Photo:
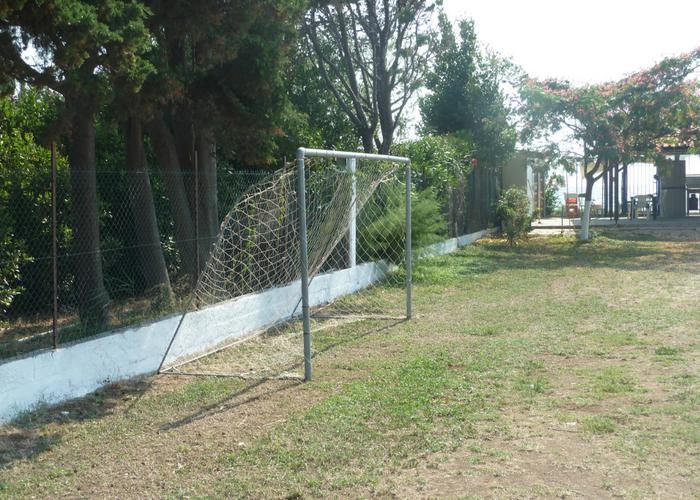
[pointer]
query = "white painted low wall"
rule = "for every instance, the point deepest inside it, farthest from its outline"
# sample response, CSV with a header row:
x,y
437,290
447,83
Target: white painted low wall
x,y
204,329
74,370
453,244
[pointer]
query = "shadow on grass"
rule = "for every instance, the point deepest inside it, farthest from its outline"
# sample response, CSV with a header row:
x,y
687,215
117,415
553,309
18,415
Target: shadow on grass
x,y
361,329
39,431
680,235
551,253
232,401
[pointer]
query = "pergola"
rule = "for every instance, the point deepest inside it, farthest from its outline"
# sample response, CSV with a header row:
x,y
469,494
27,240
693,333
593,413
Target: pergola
x,y
673,187
673,190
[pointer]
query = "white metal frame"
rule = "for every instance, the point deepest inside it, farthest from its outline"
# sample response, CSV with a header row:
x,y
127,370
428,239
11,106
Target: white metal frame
x,y
351,164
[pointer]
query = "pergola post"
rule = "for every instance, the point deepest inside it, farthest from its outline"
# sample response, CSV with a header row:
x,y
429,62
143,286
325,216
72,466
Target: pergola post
x,y
673,197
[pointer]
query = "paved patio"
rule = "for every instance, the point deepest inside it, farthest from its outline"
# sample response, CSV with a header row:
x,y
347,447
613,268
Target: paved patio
x,y
686,228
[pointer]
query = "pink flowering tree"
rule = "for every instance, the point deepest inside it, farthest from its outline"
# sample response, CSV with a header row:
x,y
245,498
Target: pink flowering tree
x,y
618,123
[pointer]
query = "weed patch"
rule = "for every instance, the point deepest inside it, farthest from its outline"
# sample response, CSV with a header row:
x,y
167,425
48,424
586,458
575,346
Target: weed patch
x,y
613,380
599,425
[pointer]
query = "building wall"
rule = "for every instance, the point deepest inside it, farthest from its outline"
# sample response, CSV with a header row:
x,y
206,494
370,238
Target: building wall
x,y
673,191
519,172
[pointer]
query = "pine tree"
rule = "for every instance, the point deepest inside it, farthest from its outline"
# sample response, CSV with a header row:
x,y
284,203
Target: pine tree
x,y
84,47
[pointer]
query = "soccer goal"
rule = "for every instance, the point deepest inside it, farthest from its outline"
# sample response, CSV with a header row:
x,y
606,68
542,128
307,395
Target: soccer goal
x,y
323,243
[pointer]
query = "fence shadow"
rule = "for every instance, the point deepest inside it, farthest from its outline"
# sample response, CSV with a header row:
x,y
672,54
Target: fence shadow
x,y
40,431
269,386
494,256
547,253
233,401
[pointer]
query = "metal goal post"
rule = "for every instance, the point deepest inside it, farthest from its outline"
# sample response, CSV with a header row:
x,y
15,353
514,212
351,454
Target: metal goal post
x,y
351,161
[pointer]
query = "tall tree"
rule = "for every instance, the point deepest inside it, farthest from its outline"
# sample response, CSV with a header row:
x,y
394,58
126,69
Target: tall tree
x,y
465,95
220,64
617,123
371,55
314,119
152,260
84,46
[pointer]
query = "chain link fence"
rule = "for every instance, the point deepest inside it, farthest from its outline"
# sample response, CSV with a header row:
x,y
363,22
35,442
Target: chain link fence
x,y
68,271
75,272
468,205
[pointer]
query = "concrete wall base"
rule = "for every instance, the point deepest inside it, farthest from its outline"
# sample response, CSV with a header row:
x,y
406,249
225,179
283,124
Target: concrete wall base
x,y
74,370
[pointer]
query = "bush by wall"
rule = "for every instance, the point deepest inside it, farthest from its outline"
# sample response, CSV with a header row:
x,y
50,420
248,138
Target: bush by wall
x,y
377,238
513,214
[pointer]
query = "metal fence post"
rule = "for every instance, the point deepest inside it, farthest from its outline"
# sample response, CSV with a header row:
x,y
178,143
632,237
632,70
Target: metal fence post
x,y
54,245
351,164
196,217
409,250
304,264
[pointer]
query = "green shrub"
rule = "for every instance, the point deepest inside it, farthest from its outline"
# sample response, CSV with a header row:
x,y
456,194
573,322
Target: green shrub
x,y
12,256
437,162
25,205
513,214
382,225
552,203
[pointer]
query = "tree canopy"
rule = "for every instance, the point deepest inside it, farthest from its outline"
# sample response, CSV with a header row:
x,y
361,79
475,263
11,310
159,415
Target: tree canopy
x,y
371,55
618,122
624,121
466,96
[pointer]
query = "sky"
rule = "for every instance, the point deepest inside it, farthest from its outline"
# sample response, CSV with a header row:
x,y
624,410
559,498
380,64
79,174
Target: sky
x,y
585,41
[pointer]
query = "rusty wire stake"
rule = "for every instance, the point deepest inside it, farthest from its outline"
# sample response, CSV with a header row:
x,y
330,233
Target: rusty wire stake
x,y
54,245
196,216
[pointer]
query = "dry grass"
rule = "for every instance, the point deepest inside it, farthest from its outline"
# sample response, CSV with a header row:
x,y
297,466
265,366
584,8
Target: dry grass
x,y
551,369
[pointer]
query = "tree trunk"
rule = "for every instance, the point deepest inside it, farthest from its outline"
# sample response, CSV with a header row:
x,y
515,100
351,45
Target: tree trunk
x,y
208,202
616,192
476,193
183,130
153,268
624,195
166,152
484,197
586,217
205,147
611,180
386,123
606,208
461,207
367,141
452,213
384,98
93,300
386,146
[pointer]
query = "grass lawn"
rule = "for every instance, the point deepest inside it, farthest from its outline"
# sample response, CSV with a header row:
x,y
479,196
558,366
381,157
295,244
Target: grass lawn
x,y
551,369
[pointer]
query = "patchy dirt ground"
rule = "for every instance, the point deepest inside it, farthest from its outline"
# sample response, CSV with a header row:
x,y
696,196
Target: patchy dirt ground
x,y
566,446
554,369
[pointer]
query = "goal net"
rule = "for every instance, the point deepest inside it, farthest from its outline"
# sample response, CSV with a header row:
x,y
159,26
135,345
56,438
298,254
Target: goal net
x,y
320,243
